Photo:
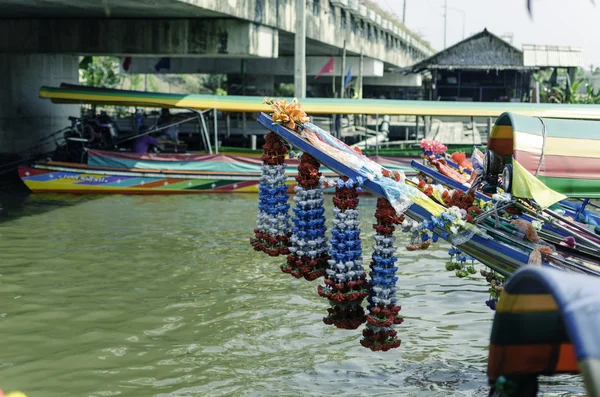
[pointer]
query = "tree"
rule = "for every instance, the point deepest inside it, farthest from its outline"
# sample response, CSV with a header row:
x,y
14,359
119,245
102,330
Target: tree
x,y
100,72
214,83
284,90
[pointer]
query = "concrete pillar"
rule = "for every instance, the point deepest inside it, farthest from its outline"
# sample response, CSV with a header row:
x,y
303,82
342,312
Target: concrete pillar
x,y
24,117
300,50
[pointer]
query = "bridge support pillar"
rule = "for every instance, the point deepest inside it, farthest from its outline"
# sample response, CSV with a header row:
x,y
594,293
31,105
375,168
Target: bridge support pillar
x,y
24,117
300,50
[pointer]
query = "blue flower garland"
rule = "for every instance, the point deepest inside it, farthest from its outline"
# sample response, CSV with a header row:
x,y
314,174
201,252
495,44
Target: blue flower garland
x,y
345,281
272,231
380,333
309,247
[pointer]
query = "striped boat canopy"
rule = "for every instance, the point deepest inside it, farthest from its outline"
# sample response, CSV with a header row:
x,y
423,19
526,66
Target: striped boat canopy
x,y
68,93
562,153
547,322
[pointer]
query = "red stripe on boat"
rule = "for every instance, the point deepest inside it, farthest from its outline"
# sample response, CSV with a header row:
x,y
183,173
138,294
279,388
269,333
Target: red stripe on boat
x,y
150,185
560,166
25,172
238,185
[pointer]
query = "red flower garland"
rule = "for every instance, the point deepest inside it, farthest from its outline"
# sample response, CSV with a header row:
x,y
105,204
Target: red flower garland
x,y
274,150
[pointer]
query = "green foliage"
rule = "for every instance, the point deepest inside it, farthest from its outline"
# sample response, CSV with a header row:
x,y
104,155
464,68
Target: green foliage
x,y
569,94
100,72
135,81
153,84
284,90
214,83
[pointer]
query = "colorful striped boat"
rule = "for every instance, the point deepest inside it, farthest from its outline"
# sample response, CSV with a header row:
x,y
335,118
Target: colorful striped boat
x,y
546,323
135,173
563,154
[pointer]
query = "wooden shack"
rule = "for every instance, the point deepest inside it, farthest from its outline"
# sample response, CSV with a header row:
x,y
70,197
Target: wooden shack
x,y
481,68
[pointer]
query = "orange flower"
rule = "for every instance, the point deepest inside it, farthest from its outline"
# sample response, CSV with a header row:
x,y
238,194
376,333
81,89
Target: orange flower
x,y
288,114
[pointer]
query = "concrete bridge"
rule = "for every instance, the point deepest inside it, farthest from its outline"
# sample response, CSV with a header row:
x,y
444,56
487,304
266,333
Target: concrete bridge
x,y
40,42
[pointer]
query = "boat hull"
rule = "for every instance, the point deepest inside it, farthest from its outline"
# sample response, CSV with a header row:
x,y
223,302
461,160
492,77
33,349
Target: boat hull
x,y
81,179
126,173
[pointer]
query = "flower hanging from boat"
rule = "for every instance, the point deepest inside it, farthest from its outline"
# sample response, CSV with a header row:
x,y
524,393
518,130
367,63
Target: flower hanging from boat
x,y
432,146
272,232
380,333
309,249
287,114
458,263
496,282
345,281
421,236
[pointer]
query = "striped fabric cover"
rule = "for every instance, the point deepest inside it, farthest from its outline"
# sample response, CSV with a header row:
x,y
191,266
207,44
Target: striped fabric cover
x,y
213,163
571,149
547,321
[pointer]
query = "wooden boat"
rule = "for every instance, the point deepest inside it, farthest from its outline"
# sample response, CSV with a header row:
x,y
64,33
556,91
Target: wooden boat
x,y
492,245
141,176
205,173
546,323
109,172
122,172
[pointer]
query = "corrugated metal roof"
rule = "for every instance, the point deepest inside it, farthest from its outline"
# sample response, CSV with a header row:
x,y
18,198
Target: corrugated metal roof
x,y
552,56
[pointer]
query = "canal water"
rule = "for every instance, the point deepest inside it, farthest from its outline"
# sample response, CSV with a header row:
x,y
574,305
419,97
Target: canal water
x,y
163,296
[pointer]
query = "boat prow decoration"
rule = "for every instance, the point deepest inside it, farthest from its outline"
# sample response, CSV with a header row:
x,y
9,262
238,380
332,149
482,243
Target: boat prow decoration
x,y
546,323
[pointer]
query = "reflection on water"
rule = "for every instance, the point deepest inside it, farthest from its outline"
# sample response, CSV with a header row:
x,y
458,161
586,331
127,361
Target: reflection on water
x,y
162,296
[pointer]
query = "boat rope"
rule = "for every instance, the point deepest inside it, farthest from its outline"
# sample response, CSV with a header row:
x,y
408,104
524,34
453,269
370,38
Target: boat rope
x,y
543,147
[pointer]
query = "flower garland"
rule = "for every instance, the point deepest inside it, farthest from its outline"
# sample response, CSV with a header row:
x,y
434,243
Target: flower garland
x,y
460,265
345,281
421,236
496,287
272,232
290,114
383,312
432,146
308,251
456,198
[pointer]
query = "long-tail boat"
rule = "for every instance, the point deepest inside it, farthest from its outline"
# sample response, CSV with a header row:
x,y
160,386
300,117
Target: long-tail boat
x,y
125,172
198,173
117,172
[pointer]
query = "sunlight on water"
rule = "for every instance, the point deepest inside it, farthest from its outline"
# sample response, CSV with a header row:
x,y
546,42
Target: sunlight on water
x,y
163,296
